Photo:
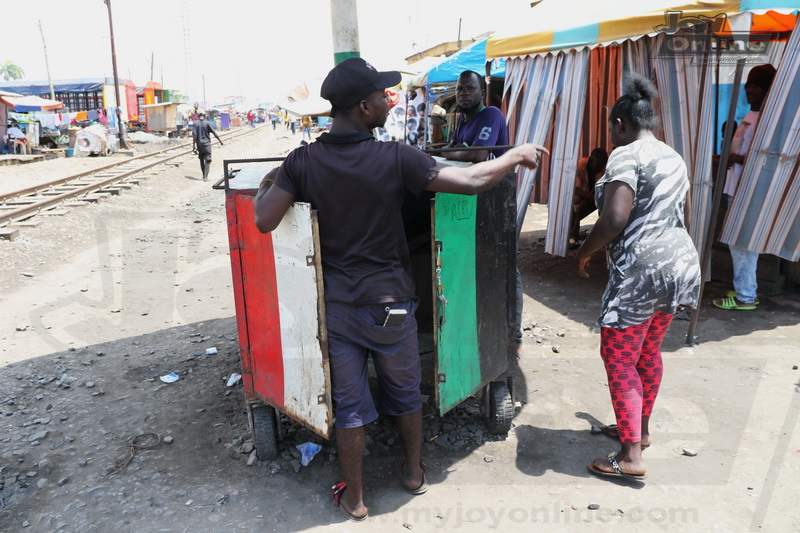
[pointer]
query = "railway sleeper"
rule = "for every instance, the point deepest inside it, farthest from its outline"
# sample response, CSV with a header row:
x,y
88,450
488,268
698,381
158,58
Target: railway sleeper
x,y
20,202
26,223
93,197
8,234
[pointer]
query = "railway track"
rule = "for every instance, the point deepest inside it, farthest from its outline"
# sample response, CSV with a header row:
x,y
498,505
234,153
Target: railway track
x,y
18,207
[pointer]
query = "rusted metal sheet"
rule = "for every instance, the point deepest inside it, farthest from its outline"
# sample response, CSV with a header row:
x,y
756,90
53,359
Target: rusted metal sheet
x,y
280,311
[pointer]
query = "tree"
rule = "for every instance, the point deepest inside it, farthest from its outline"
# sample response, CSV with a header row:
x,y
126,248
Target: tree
x,y
10,71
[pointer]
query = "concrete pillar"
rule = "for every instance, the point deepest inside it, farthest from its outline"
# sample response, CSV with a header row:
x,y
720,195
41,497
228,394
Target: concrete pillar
x,y
344,19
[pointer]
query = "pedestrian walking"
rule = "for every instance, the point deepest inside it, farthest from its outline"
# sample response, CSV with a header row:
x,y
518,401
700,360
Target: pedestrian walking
x,y
653,268
201,143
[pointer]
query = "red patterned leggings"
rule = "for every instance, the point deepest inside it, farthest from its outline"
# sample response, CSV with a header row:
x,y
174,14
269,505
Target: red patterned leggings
x,y
632,357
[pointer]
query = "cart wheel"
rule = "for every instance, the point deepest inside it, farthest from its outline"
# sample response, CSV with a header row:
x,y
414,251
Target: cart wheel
x,y
265,432
501,408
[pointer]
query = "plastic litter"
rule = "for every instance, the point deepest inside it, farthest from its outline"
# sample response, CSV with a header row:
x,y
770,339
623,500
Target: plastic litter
x,y
308,450
211,351
234,379
169,378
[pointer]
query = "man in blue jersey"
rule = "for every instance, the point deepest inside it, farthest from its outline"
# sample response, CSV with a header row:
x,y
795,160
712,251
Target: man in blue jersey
x,y
478,125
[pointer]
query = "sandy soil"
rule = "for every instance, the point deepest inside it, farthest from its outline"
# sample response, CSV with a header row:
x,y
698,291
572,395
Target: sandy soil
x,y
100,302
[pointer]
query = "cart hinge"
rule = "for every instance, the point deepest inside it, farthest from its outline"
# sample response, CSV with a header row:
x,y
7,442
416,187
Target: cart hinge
x,y
309,260
321,399
439,286
442,378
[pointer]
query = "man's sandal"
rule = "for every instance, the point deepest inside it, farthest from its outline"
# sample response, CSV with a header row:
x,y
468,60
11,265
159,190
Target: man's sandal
x,y
423,487
612,460
733,304
336,493
734,294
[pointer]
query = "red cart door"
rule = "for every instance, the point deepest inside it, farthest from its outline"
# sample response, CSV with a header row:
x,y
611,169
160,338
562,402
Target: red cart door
x,y
280,310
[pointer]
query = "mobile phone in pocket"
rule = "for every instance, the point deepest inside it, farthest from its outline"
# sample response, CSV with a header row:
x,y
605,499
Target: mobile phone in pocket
x,y
394,317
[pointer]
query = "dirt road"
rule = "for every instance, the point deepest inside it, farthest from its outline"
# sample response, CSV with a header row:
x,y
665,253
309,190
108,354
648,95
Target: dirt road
x,y
99,303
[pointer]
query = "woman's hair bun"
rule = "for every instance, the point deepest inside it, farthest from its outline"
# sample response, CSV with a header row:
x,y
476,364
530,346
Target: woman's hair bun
x,y
637,87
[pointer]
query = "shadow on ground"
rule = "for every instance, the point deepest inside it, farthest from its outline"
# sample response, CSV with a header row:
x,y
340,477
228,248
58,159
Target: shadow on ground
x,y
83,409
553,282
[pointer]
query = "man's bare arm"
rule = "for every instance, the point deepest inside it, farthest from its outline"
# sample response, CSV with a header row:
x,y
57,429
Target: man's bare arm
x,y
484,175
271,203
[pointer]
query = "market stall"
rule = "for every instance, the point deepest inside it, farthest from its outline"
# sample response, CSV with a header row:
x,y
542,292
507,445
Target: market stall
x,y
83,98
563,73
4,120
439,84
471,57
162,118
36,116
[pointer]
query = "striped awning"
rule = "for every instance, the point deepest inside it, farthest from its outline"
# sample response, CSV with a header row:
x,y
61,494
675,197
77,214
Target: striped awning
x,y
26,104
570,24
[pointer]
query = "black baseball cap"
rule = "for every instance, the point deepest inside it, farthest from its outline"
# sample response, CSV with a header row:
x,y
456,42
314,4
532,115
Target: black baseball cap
x,y
352,80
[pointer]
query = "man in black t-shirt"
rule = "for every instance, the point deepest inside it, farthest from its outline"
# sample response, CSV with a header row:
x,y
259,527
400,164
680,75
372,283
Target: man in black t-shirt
x,y
201,143
356,184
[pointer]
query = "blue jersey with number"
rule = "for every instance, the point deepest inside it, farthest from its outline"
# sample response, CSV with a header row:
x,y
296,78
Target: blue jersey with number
x,y
488,128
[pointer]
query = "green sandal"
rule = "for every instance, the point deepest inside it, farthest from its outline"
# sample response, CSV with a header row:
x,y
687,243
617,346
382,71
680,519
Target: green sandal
x,y
734,294
733,304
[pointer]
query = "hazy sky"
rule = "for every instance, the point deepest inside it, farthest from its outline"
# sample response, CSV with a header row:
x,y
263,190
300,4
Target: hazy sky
x,y
255,48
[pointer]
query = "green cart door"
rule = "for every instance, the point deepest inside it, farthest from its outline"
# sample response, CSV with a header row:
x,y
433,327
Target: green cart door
x,y
474,261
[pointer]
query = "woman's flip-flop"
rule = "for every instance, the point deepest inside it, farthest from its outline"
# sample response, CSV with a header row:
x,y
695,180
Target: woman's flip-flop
x,y
336,493
612,460
423,487
611,431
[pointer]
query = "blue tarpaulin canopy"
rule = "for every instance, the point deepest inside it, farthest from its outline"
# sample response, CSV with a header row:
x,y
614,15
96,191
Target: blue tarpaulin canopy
x,y
472,57
77,85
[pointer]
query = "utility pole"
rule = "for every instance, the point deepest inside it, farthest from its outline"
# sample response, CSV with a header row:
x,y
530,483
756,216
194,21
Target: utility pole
x,y
151,64
344,19
47,63
122,142
459,34
188,70
205,102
